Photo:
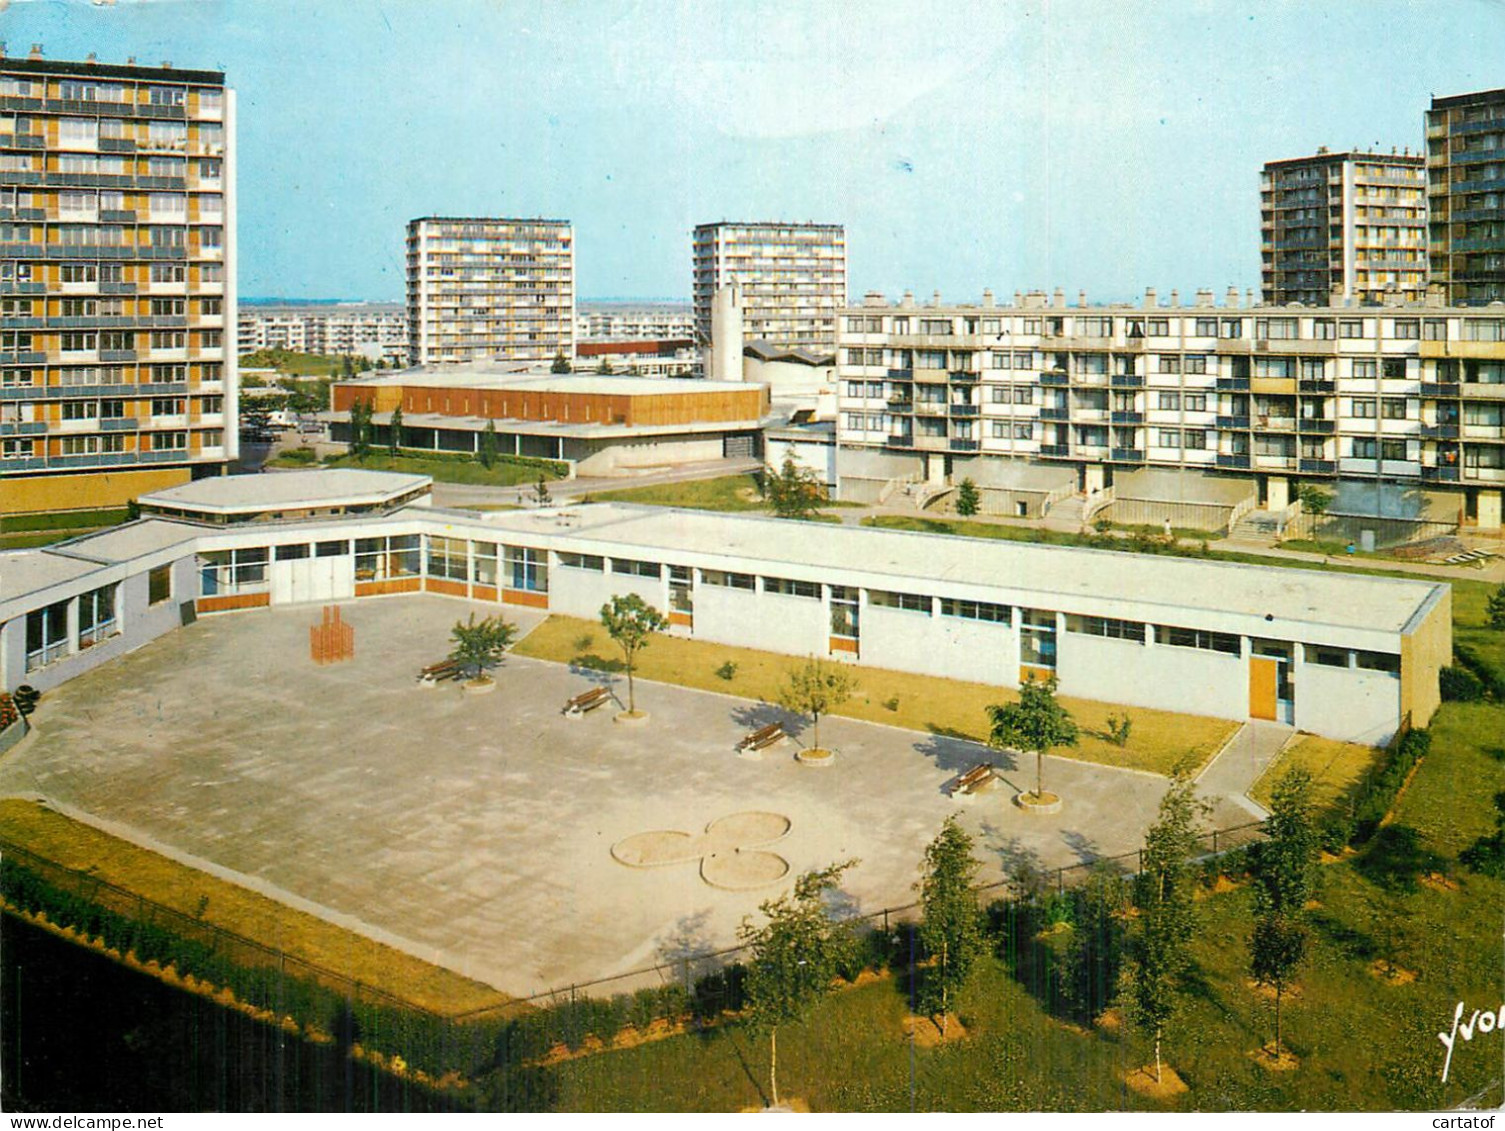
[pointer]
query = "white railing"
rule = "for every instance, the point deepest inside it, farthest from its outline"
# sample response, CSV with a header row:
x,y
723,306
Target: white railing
x,y
887,490
1241,508
1065,491
1096,502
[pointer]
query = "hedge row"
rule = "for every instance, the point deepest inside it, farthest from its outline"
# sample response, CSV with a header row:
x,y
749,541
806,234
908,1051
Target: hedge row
x,y
1375,794
1492,679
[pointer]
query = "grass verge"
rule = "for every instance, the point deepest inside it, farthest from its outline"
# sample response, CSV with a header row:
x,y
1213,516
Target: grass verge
x,y
220,903
1336,767
921,703
442,468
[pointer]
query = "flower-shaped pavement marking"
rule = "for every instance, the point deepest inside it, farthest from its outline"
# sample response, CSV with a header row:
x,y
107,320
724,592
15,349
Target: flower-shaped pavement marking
x,y
729,851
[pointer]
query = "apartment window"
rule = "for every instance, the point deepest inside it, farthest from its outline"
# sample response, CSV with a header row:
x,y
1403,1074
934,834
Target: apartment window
x,y
976,610
169,339
1361,408
1169,438
1194,363
1169,363
1195,402
1194,439
1177,637
1024,431
117,341
15,378
1363,448
1407,328
1364,367
789,587
909,602
159,584
1280,329
1206,327
1350,328
1282,368
167,406
1434,330
1394,450
169,441
1108,627
725,580
112,410
1313,369
168,307
1024,394
168,273
167,96
1393,368
1484,330
74,341
15,449
161,374
1324,329
1393,408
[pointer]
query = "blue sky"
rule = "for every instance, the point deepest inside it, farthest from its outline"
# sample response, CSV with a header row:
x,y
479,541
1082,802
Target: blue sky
x,y
1104,146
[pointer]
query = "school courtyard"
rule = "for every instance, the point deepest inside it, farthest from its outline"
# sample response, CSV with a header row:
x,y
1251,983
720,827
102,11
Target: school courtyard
x,y
475,831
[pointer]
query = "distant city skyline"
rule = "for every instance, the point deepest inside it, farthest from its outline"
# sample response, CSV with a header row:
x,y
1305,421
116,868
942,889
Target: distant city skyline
x,y
1089,146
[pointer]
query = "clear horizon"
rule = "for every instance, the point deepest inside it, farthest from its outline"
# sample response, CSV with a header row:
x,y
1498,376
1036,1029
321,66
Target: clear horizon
x,y
1092,146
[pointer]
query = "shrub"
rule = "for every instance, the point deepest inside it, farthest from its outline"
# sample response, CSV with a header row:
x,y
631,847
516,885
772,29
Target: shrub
x,y
298,455
644,1010
1460,685
1493,679
871,949
8,712
727,671
891,703
1119,727
1102,524
1377,793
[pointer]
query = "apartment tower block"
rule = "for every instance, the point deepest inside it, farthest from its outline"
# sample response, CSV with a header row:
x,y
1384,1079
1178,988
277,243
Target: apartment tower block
x,y
793,279
1466,195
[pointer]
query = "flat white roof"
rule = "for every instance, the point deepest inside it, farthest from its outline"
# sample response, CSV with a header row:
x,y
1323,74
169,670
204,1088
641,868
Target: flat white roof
x,y
286,490
1069,579
485,376
562,428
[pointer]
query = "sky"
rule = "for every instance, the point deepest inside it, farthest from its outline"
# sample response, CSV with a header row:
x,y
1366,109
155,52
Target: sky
x,y
1094,145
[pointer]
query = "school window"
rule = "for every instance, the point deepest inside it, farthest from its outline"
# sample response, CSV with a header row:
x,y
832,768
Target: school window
x,y
528,569
234,571
789,587
910,602
1377,662
159,585
448,558
1177,637
1108,627
1327,657
976,610
593,562
725,580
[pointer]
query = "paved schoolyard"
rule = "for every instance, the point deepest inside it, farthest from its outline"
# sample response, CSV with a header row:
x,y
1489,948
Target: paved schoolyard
x,y
475,830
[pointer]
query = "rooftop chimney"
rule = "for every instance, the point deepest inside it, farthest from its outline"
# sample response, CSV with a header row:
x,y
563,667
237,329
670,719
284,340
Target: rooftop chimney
x,y
1204,296
987,298
1175,298
167,64
874,298
1081,298
92,58
1150,298
1058,299
1249,297
1232,298
908,299
935,298
36,51
1018,299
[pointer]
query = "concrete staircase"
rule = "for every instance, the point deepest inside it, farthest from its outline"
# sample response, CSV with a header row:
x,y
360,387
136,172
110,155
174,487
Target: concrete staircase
x,y
1262,527
1066,514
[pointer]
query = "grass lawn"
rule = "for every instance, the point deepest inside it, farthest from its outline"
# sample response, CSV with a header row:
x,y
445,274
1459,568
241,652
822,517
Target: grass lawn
x,y
26,531
294,364
1335,768
924,703
60,839
726,493
443,469
1470,627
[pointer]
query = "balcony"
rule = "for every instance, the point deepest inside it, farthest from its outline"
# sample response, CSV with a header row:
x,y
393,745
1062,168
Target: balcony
x,y
1233,422
1316,424
902,441
963,375
1235,462
1276,423
965,445
1126,455
1440,389
1058,380
1055,414
1439,474
1317,386
1317,466
1055,449
1127,381
1439,431
1127,417
964,410
930,408
1233,384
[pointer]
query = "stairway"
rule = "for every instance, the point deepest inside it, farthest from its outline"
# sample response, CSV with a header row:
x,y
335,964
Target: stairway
x,y
1262,527
1066,514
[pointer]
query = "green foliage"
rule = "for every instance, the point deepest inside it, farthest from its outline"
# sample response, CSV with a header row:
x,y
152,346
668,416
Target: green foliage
x,y
1284,870
360,428
968,500
395,431
950,923
1490,675
1036,723
1314,500
486,450
1375,795
1459,685
1487,854
815,688
1119,728
727,671
1155,979
631,622
479,645
794,491
1494,610
891,703
541,494
1102,524
794,956
561,364
1095,953
605,367
300,456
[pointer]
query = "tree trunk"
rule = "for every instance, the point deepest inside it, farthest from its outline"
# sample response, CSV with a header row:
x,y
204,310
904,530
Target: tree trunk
x,y
1039,775
945,992
1277,1020
1157,1056
632,703
815,729
773,1065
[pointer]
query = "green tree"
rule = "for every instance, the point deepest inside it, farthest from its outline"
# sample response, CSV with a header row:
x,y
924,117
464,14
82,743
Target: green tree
x,y
360,428
394,432
1487,854
631,622
605,366
1154,977
1313,499
478,645
794,491
794,957
950,924
968,501
1095,951
1494,609
1036,722
1284,869
541,494
486,450
561,364
815,688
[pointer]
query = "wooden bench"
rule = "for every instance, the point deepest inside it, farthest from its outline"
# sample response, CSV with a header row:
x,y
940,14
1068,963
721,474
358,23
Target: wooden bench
x,y
974,779
762,738
586,701
444,669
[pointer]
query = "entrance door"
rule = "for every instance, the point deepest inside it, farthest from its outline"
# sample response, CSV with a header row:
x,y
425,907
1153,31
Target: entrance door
x,y
1264,679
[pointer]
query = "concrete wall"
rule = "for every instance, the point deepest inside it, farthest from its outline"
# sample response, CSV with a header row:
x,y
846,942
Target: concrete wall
x,y
818,456
799,626
1352,704
625,457
582,592
1191,680
949,647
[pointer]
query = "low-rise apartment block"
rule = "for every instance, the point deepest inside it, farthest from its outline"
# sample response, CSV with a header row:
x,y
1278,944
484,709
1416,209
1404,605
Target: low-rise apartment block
x,y
1343,226
377,330
117,281
1410,394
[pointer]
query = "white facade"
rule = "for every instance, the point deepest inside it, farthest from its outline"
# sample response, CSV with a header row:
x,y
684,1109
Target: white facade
x,y
793,279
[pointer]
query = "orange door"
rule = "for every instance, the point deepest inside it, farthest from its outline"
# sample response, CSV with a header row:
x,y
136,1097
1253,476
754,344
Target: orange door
x,y
1262,682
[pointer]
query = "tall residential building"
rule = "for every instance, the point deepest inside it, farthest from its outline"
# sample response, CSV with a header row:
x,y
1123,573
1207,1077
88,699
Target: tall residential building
x,y
1338,226
117,281
482,288
793,279
1466,194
